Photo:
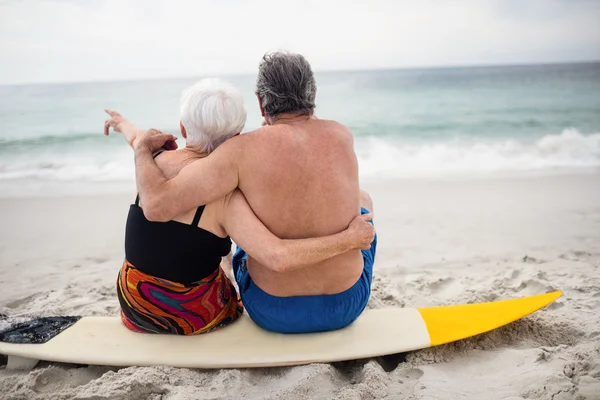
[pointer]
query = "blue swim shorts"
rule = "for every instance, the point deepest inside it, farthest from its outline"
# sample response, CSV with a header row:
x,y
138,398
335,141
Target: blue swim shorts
x,y
303,314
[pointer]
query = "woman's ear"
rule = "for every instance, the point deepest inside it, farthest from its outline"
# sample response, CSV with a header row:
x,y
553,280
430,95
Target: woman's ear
x,y
182,129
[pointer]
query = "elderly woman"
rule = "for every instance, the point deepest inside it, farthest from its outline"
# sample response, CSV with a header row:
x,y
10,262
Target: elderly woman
x,y
181,288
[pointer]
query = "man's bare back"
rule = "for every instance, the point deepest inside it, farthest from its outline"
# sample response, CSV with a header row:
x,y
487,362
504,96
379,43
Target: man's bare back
x,y
301,179
299,176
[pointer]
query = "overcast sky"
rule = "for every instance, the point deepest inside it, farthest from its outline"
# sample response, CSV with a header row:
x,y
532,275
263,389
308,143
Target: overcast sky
x,y
70,40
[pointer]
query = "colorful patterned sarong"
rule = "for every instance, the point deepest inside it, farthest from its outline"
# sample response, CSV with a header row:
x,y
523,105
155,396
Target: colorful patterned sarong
x,y
155,305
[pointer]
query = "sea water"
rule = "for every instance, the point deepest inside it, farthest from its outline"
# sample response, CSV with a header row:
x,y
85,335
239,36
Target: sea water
x,y
409,123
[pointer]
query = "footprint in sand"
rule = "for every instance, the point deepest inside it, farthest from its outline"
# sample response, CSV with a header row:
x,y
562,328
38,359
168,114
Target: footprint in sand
x,y
414,373
588,388
555,305
593,305
97,260
511,279
25,300
578,253
575,255
532,260
446,286
532,287
50,380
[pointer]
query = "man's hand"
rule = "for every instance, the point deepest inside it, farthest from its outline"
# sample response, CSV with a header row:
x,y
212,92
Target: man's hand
x,y
154,140
362,231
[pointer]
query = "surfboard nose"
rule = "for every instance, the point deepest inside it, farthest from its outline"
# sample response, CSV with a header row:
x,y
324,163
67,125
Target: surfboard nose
x,y
450,323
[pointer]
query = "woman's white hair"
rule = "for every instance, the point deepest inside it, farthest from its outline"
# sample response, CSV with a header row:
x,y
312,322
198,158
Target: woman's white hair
x,y
212,111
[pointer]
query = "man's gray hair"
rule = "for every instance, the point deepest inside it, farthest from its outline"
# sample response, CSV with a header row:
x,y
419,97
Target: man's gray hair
x,y
286,84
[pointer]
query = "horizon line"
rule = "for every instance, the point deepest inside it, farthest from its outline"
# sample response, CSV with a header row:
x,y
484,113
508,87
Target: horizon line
x,y
368,69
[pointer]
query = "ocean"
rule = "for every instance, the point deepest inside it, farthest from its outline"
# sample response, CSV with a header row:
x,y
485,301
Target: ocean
x,y
408,123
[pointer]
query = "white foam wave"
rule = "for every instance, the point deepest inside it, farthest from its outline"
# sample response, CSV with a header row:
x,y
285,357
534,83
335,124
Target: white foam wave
x,y
570,149
90,164
69,171
378,158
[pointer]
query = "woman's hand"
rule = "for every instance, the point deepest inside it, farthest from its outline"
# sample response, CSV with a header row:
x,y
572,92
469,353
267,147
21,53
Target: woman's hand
x,y
362,231
115,121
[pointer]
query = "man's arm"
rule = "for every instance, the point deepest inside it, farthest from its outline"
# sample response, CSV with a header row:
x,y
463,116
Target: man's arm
x,y
201,182
281,255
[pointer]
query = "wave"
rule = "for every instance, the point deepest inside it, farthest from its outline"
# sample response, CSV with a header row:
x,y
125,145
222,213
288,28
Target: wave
x,y
70,171
71,139
378,158
570,149
50,139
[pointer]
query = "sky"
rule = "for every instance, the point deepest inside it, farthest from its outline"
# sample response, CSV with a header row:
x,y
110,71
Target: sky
x,y
99,40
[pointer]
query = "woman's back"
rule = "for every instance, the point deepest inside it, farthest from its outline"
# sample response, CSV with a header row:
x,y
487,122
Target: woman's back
x,y
182,250
171,280
173,250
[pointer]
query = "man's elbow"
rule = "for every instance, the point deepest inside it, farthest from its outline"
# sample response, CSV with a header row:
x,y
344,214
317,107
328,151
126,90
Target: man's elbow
x,y
275,261
155,213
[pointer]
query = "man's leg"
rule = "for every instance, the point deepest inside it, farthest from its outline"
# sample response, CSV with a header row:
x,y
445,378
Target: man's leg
x,y
368,255
366,202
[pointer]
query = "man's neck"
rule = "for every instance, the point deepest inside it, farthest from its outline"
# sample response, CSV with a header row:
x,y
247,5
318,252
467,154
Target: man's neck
x,y
289,118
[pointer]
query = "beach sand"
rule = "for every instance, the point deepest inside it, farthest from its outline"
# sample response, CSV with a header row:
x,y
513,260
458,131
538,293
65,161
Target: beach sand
x,y
440,242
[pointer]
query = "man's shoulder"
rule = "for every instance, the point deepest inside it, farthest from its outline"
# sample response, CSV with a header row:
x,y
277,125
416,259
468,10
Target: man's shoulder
x,y
270,132
258,135
254,132
333,126
234,148
341,131
264,129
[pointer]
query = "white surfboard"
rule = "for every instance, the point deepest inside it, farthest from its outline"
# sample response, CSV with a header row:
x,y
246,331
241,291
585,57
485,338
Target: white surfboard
x,y
105,341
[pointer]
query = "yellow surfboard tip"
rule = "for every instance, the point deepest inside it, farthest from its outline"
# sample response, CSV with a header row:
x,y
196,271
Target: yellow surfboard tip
x,y
450,323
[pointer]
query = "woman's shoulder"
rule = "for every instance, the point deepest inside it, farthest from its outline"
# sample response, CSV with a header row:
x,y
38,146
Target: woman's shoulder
x,y
170,162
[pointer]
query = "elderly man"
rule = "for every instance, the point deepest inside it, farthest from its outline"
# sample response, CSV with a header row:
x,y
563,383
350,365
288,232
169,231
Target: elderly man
x,y
300,176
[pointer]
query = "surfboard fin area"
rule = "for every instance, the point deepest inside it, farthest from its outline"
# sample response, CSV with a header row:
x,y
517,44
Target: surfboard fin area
x,y
377,332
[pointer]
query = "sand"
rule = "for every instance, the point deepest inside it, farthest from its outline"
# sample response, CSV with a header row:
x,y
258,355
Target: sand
x,y
441,242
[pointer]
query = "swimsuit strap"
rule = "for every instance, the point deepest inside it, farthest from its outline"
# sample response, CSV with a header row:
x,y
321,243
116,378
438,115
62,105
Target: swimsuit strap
x,y
199,212
137,198
158,153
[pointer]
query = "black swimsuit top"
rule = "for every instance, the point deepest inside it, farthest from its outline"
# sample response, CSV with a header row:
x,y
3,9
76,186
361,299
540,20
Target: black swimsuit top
x,y
172,250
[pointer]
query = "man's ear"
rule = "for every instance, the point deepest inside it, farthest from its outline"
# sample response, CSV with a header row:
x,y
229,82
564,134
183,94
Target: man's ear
x,y
182,129
262,111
